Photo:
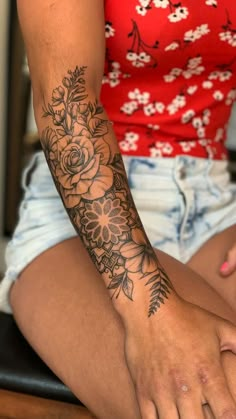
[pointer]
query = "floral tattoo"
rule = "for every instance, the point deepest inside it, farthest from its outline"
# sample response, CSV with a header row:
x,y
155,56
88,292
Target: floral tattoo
x,y
91,180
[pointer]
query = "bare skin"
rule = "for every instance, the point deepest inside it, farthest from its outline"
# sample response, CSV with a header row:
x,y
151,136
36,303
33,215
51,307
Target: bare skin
x,y
215,250
94,367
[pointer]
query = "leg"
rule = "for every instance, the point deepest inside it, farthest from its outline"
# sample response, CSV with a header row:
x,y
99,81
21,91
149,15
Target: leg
x,y
64,310
214,251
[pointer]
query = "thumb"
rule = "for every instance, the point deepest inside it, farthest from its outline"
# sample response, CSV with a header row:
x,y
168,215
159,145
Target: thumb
x,y
227,335
229,265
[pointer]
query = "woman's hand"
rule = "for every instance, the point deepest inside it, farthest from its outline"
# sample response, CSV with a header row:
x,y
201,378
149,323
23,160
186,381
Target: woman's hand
x,y
174,361
229,265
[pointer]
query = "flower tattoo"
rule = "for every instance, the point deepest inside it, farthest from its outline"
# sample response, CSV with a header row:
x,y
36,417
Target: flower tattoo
x,y
91,180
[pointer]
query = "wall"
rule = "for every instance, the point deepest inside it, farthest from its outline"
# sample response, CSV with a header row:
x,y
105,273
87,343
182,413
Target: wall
x,y
4,14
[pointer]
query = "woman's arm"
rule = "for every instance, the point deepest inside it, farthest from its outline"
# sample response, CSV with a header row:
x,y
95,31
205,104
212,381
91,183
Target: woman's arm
x,y
65,48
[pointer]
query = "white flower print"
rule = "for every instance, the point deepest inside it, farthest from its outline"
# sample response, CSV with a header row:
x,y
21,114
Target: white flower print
x,y
190,36
187,145
165,147
179,14
176,71
154,127
138,64
197,122
141,101
202,29
172,46
155,152
187,116
225,36
225,75
131,56
113,82
172,109
160,107
229,34
160,149
113,76
200,123
213,3
178,102
109,30
149,109
143,7
141,10
206,118
193,35
232,40
201,132
207,84
231,97
219,135
142,98
161,3
143,56
218,95
129,107
220,75
213,75
204,142
130,141
193,67
194,62
144,3
192,89
169,78
138,60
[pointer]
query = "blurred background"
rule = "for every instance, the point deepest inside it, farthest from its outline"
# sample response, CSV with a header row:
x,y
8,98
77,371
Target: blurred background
x,y
18,134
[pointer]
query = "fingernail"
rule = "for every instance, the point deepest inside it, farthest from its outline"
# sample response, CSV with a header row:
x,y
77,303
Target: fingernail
x,y
224,267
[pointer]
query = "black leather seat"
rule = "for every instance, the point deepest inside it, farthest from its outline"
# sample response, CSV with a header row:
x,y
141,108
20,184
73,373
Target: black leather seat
x,y
21,370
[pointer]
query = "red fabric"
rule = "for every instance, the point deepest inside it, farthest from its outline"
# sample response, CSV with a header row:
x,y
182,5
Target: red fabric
x,y
170,75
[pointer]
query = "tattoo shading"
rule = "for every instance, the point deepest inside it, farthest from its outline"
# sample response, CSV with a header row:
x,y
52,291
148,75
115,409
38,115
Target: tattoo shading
x,y
91,180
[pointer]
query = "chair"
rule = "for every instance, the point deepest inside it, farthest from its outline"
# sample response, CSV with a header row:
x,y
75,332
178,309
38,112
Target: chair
x,y
28,388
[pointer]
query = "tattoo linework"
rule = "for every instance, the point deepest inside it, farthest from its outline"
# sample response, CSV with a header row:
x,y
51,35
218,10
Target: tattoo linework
x,y
91,180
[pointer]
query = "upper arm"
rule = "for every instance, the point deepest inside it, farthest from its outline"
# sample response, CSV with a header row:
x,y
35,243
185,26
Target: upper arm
x,y
60,35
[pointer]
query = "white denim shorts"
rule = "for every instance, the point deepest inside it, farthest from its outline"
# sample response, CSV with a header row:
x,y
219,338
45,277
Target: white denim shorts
x,y
182,202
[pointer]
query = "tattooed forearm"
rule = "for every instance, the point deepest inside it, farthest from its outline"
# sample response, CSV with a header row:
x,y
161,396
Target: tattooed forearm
x,y
89,174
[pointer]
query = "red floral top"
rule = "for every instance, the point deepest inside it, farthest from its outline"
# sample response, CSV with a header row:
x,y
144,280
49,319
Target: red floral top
x,y
170,75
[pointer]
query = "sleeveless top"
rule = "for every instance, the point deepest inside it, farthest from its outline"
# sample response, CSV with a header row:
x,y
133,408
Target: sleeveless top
x,y
170,75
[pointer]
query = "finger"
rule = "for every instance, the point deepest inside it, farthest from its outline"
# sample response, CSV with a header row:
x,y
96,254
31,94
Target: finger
x,y
189,402
190,407
219,397
227,336
166,408
229,265
147,409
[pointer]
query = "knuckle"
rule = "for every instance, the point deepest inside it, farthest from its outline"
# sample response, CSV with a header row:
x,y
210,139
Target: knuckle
x,y
204,375
181,386
211,376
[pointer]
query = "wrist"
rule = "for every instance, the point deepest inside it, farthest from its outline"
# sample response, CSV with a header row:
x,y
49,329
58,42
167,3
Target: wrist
x,y
137,311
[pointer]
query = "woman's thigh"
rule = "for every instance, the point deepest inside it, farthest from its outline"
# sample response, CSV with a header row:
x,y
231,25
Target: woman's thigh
x,y
209,258
64,310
